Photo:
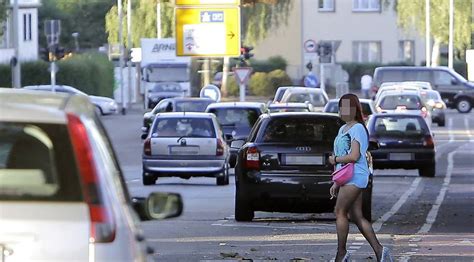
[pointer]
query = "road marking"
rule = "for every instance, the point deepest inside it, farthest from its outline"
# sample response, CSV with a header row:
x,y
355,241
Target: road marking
x,y
379,223
466,124
430,219
450,125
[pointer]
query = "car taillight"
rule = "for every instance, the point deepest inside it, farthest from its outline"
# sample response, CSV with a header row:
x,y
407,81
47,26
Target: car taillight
x,y
103,226
220,148
147,147
424,112
428,141
252,158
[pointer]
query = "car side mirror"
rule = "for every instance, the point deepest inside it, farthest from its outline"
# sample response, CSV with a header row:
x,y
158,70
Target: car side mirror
x,y
454,81
228,137
237,144
158,206
373,145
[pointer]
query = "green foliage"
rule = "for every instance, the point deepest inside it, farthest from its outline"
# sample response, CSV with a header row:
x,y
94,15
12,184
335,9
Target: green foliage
x,y
265,84
278,78
271,64
91,73
232,87
3,14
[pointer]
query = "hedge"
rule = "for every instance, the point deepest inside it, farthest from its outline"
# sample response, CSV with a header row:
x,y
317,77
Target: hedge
x,y
91,73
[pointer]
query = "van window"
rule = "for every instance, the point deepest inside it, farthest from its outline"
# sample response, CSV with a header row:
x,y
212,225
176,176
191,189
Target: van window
x,y
418,75
392,76
443,78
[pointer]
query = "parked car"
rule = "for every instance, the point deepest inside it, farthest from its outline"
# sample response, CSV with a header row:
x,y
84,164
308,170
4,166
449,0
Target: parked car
x,y
367,107
236,120
433,101
104,105
455,90
185,145
164,90
290,107
63,195
397,87
403,102
284,167
316,96
280,92
181,104
405,141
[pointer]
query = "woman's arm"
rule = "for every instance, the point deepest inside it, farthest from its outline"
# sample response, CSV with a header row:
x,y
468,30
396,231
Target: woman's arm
x,y
352,157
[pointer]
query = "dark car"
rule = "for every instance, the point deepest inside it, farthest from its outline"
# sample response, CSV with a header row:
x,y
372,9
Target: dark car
x,y
405,142
181,104
236,120
284,167
455,90
164,90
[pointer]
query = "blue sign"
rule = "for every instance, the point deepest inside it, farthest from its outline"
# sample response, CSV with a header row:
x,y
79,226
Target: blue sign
x,y
311,80
212,16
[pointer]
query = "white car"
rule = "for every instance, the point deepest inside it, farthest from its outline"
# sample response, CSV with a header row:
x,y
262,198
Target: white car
x,y
394,87
420,84
403,102
290,107
315,96
62,193
280,92
104,105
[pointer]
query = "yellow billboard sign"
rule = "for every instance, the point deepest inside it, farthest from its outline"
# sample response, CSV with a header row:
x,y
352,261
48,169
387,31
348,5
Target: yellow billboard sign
x,y
206,2
208,32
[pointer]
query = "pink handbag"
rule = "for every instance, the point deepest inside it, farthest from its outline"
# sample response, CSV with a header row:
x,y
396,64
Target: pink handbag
x,y
344,174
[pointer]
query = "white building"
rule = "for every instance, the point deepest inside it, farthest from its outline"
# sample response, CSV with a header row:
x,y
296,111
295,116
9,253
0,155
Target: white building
x,y
28,32
366,29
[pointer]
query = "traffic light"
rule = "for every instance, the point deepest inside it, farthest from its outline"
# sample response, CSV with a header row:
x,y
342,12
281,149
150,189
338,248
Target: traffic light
x,y
327,50
59,52
44,54
245,52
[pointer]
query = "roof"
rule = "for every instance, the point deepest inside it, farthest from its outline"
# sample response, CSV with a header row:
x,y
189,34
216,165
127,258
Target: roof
x,y
412,68
305,89
400,92
236,105
180,99
280,105
362,100
185,114
404,114
301,114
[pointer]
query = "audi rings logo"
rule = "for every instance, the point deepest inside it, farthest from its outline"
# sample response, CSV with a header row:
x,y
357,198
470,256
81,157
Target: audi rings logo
x,y
303,148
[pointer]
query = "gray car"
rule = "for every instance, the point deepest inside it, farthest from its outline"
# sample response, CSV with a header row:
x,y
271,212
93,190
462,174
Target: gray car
x,y
185,145
435,104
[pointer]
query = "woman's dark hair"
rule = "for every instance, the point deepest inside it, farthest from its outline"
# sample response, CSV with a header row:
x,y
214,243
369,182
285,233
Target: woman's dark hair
x,y
354,103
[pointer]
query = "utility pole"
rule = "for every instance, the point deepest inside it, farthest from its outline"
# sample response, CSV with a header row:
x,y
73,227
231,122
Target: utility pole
x,y
428,32
16,70
122,93
451,34
158,20
129,45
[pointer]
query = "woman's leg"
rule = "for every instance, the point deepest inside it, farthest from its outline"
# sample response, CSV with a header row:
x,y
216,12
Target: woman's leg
x,y
365,227
345,199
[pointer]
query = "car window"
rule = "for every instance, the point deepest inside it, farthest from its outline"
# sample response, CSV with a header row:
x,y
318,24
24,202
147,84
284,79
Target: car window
x,y
391,76
316,99
366,109
280,93
442,78
332,107
236,116
188,127
288,109
167,87
301,130
426,96
37,163
192,106
418,75
162,107
400,126
411,102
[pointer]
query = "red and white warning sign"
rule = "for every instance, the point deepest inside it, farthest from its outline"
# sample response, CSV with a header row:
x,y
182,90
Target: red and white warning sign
x,y
242,74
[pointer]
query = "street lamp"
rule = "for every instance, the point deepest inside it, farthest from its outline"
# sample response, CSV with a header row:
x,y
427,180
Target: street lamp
x,y
76,41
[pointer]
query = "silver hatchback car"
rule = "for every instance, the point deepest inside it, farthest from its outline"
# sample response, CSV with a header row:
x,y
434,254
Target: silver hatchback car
x,y
185,145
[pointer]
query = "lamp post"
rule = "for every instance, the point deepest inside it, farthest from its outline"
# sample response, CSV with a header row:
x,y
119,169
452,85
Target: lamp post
x,y
76,41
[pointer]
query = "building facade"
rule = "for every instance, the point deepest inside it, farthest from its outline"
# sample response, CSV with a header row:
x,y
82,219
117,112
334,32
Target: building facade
x,y
28,32
364,31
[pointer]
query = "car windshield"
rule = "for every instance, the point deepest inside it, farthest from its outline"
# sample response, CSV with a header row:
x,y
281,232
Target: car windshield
x,y
183,127
316,99
279,94
192,106
410,102
301,130
37,163
400,126
245,117
427,96
288,109
167,87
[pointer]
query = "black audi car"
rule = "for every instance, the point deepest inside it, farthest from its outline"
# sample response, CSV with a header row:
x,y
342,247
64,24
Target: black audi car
x,y
284,167
405,141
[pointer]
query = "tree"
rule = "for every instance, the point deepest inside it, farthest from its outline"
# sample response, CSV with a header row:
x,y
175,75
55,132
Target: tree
x,y
3,15
412,14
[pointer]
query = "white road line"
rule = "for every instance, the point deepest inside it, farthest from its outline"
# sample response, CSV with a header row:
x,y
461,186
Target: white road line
x,y
450,126
379,223
466,124
431,218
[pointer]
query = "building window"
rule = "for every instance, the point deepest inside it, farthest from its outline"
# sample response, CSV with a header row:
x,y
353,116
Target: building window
x,y
366,52
406,51
26,27
366,5
326,6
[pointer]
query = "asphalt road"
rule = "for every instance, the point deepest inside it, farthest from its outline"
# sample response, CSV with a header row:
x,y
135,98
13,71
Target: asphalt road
x,y
420,219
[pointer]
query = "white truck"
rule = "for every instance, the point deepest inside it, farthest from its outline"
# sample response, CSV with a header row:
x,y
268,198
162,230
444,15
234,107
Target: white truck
x,y
164,74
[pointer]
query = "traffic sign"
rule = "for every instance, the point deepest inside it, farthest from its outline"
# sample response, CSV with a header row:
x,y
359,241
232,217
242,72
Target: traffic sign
x,y
242,74
311,80
206,2
212,92
208,32
310,46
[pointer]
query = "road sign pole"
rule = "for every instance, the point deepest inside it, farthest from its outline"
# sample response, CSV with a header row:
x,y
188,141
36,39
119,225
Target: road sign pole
x,y
16,70
323,84
242,88
53,76
122,93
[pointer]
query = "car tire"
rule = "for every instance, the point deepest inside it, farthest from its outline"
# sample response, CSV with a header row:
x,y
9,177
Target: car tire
x,y
367,204
243,211
223,180
148,180
441,122
427,171
99,110
463,105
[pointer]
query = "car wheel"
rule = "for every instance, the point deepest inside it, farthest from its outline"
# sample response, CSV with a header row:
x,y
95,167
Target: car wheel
x,y
427,171
441,122
243,211
99,110
224,179
367,204
148,179
463,105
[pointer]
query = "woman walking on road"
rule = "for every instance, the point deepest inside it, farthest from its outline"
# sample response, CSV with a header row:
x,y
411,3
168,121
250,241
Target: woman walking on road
x,y
350,146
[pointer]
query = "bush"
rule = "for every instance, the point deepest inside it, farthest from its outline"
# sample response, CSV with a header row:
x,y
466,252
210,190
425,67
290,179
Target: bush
x,y
91,73
232,87
271,64
278,78
259,84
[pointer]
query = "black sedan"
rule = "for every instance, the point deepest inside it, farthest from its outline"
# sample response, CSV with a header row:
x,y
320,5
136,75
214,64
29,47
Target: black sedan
x,y
284,167
164,90
405,141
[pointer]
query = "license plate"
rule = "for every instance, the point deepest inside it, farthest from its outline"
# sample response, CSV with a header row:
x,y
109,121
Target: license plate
x,y
184,150
303,160
400,156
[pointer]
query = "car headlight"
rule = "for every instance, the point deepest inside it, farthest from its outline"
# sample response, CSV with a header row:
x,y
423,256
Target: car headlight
x,y
113,104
